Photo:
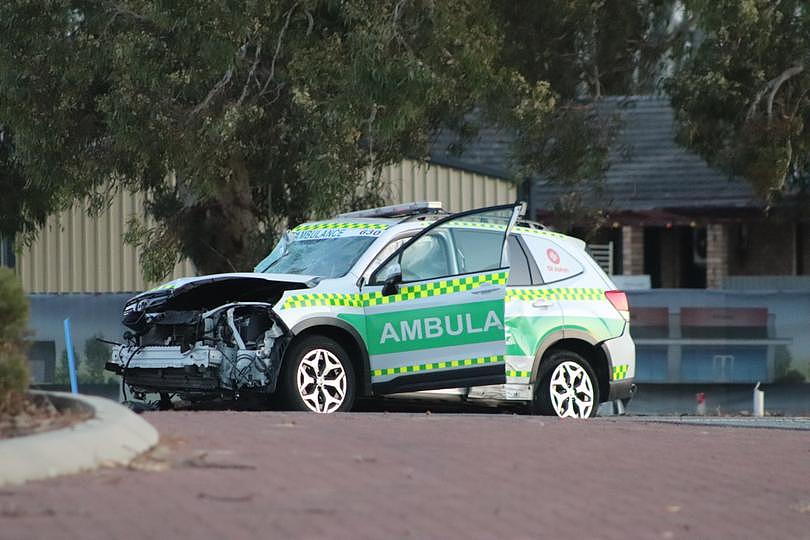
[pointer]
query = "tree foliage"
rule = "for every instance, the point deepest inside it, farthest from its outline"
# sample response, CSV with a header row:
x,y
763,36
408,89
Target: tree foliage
x,y
743,93
591,48
584,49
239,118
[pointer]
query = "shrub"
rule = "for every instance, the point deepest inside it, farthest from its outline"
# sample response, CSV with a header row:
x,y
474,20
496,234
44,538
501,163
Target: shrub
x,y
13,362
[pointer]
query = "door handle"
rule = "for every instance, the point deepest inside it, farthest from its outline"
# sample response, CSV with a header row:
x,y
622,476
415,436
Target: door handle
x,y
486,289
542,303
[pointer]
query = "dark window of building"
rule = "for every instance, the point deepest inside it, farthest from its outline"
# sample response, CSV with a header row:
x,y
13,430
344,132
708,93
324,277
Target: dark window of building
x,y
7,251
42,361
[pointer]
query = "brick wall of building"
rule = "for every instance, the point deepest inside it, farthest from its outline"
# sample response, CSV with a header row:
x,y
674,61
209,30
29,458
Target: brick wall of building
x,y
632,250
717,254
763,249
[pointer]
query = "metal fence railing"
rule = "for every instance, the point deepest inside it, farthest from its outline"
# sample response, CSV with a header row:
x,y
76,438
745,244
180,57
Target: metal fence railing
x,y
603,255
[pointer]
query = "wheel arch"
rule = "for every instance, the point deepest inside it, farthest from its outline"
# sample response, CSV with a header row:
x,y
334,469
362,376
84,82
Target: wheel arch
x,y
591,351
348,338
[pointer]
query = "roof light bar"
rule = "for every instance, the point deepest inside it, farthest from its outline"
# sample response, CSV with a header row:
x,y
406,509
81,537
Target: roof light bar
x,y
397,210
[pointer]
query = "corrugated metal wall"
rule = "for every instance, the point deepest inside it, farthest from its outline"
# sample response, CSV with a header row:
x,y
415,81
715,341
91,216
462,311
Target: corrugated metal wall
x,y
458,190
75,253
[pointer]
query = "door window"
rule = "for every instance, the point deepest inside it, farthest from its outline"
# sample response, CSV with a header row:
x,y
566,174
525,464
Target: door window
x,y
468,244
476,250
386,252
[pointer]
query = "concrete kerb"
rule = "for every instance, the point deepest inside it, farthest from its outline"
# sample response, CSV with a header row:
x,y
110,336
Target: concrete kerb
x,y
113,436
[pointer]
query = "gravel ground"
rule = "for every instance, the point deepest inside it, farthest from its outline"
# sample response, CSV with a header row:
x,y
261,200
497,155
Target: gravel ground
x,y
231,474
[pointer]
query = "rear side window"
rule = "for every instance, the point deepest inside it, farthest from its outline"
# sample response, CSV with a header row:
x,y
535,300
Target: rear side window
x,y
519,274
477,250
554,262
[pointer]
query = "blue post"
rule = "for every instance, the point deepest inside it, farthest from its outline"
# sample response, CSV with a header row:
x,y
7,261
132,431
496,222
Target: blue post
x,y
74,385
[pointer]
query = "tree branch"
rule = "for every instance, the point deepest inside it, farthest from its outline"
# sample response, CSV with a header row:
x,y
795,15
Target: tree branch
x,y
778,82
218,87
771,88
256,60
272,74
220,255
222,83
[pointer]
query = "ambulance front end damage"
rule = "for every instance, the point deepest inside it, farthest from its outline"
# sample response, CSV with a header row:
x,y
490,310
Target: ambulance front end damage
x,y
204,338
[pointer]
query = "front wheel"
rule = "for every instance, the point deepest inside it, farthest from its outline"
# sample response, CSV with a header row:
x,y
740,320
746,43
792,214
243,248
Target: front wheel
x,y
569,388
318,376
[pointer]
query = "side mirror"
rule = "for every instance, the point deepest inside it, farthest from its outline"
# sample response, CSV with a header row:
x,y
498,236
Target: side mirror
x,y
390,285
392,276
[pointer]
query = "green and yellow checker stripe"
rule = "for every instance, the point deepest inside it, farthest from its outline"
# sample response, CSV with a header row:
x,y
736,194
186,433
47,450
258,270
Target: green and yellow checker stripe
x,y
620,371
438,365
500,227
435,288
408,292
340,225
518,374
323,299
569,293
477,225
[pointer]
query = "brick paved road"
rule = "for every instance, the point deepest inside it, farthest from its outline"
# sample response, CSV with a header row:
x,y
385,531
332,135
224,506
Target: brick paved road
x,y
225,474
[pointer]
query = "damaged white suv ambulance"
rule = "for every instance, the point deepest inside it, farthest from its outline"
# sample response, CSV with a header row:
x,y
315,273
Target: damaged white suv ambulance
x,y
390,300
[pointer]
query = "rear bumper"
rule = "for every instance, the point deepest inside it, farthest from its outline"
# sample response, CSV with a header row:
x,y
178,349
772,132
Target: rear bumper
x,y
621,357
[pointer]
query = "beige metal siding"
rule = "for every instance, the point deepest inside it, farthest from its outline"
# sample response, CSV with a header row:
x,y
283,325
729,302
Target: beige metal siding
x,y
74,253
458,190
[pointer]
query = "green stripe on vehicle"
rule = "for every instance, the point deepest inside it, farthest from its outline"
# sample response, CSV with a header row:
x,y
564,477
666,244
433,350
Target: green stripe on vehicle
x,y
561,293
620,371
466,362
501,227
340,225
435,327
518,374
407,292
539,232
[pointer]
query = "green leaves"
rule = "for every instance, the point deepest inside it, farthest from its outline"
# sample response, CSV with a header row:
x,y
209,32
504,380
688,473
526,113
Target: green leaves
x,y
743,97
238,119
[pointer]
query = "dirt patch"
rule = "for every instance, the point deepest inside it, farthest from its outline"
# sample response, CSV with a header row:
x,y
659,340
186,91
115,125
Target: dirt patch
x,y
38,413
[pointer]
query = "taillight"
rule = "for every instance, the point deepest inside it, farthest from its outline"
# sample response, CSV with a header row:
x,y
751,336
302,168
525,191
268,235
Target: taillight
x,y
619,300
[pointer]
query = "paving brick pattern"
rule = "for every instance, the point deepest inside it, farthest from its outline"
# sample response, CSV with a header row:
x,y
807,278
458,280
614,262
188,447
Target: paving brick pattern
x,y
227,474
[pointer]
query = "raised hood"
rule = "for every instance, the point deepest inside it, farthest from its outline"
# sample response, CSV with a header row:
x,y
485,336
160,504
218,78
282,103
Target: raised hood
x,y
205,292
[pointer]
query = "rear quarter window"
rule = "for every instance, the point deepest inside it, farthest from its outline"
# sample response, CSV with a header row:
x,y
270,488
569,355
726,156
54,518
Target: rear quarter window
x,y
519,273
554,261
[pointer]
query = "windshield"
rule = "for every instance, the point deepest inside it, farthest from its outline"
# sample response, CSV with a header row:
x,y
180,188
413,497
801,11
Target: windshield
x,y
323,257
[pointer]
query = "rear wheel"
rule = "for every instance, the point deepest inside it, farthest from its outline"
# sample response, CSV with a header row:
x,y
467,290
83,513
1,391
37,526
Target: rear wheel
x,y
569,388
318,376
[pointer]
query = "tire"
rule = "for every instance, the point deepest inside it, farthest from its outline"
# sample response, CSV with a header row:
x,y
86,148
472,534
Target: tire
x,y
317,376
568,388
165,402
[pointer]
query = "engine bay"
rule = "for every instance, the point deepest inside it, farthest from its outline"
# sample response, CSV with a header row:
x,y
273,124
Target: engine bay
x,y
173,346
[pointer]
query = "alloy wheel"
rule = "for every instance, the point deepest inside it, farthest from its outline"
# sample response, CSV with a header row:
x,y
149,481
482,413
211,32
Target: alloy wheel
x,y
321,381
571,391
